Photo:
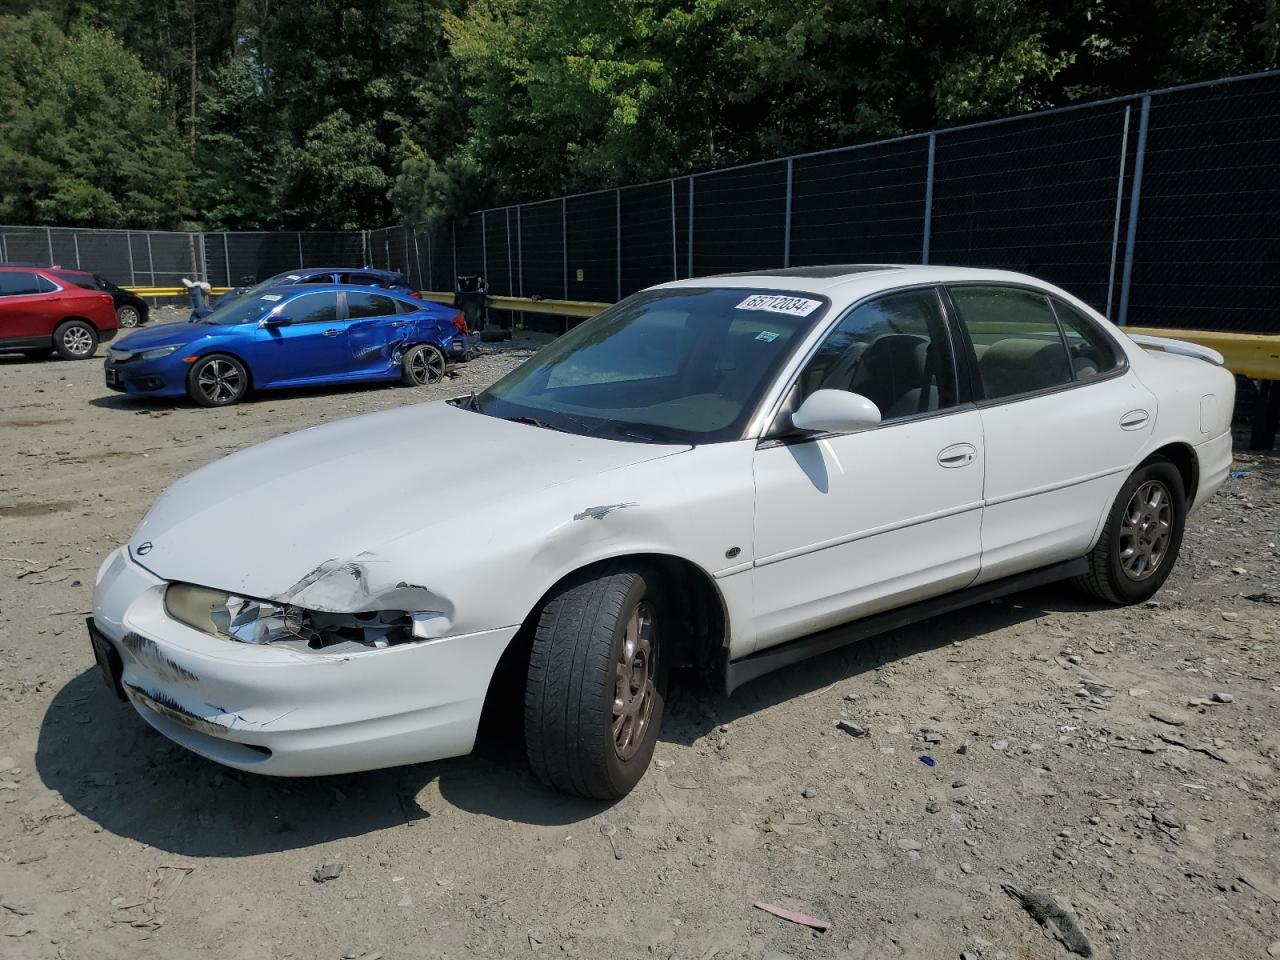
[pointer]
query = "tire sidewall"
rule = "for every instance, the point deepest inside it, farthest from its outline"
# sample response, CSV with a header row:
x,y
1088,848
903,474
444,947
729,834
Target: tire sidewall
x,y
1136,591
128,310
408,377
623,775
197,397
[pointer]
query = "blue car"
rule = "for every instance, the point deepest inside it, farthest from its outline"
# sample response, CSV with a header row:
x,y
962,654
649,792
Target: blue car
x,y
292,337
357,276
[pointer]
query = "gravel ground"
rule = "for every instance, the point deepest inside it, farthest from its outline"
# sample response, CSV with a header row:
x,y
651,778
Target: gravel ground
x,y
1078,752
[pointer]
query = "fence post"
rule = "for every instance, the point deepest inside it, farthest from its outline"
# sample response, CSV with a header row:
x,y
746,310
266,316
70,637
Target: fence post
x,y
128,242
386,246
675,255
484,246
431,284
520,254
786,225
510,281
226,257
298,235
690,251
48,239
417,254
1135,197
564,247
928,200
75,238
151,260
453,227
617,243
1115,230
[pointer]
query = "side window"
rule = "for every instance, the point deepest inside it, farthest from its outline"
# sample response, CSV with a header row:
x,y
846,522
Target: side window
x,y
319,278
894,351
17,284
403,307
45,285
363,305
314,308
1016,338
361,279
1092,354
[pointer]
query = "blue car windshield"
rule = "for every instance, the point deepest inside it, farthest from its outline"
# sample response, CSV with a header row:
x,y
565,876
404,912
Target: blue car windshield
x,y
246,309
663,366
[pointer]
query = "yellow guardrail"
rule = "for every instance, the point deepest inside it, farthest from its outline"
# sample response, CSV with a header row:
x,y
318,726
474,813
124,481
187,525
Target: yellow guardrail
x,y
170,291
1248,354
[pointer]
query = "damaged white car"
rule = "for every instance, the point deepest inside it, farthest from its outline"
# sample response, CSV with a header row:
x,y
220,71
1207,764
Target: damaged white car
x,y
731,473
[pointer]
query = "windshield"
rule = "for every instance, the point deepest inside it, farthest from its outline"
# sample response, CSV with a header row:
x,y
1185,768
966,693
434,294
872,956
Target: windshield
x,y
246,309
666,366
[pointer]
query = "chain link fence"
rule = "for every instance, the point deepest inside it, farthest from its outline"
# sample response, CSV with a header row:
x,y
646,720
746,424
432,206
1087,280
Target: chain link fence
x,y
1158,209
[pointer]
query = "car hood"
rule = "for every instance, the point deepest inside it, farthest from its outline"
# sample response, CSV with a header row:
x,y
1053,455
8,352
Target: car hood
x,y
163,335
269,520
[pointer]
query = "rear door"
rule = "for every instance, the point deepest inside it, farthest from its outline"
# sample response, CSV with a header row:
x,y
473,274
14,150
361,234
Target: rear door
x,y
312,345
1064,421
848,525
28,306
374,330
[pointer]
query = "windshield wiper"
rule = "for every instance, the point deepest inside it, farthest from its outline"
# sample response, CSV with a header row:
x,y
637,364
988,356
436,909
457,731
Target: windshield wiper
x,y
534,422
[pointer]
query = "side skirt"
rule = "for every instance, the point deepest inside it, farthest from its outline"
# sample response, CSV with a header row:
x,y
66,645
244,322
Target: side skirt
x,y
737,672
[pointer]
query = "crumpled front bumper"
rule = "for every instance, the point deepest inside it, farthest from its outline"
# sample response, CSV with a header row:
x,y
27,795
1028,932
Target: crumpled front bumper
x,y
284,712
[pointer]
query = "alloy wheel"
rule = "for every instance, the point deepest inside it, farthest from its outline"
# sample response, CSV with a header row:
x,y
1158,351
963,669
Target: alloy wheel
x,y
426,366
635,688
127,316
219,381
78,341
1145,530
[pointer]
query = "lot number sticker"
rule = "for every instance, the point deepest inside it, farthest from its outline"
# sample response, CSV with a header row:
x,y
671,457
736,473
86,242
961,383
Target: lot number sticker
x,y
774,303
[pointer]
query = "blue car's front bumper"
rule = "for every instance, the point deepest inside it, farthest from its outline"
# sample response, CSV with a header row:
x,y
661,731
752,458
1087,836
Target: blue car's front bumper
x,y
166,377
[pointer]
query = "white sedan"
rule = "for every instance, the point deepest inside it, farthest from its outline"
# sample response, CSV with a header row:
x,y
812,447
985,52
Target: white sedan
x,y
732,473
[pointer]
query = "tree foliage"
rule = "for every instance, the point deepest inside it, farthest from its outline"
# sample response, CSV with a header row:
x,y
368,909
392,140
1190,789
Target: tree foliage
x,y
338,113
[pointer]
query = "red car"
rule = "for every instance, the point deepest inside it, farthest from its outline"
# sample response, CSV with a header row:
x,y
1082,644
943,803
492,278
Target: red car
x,y
40,311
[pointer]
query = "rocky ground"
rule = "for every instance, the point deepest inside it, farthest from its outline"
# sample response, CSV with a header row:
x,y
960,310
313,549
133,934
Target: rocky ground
x,y
1121,763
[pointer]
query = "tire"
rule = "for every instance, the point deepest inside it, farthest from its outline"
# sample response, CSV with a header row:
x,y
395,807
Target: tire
x,y
580,739
127,315
218,380
1141,538
75,340
422,365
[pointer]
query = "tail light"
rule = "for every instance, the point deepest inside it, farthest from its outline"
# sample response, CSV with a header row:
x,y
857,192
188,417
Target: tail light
x,y
460,321
415,294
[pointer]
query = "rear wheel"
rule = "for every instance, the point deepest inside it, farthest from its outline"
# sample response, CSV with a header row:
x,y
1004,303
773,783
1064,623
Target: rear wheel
x,y
127,315
1140,541
422,365
75,340
217,380
597,683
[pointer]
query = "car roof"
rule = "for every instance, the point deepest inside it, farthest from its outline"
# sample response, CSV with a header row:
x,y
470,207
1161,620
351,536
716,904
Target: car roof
x,y
300,271
298,290
838,280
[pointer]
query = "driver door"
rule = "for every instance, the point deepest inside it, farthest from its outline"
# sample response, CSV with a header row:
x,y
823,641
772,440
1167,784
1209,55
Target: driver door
x,y
312,345
850,525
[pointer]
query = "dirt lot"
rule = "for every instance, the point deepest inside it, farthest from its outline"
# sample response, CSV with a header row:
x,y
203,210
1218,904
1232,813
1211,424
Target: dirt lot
x,y
1077,753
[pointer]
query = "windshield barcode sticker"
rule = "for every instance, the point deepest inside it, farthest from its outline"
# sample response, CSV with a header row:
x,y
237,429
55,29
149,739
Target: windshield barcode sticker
x,y
774,303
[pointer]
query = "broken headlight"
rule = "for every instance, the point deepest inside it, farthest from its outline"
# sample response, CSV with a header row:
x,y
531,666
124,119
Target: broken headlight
x,y
247,620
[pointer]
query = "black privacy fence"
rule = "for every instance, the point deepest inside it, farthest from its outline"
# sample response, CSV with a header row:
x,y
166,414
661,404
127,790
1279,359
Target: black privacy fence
x,y
1158,210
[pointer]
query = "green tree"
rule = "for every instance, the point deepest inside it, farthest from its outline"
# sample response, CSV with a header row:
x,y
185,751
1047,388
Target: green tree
x,y
84,138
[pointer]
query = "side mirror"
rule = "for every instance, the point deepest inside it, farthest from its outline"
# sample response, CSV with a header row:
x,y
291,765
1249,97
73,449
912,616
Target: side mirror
x,y
277,320
836,411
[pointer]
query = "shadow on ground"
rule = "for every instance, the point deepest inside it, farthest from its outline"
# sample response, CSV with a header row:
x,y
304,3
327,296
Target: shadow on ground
x,y
115,770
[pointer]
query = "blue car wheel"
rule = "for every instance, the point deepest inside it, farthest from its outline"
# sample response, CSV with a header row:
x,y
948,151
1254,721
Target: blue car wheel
x,y
217,380
422,365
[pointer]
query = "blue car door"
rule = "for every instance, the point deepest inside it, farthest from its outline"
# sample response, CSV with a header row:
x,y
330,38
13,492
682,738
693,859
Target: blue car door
x,y
375,331
310,343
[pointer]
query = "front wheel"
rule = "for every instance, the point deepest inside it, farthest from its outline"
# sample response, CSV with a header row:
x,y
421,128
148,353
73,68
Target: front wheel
x,y
217,380
1140,541
597,683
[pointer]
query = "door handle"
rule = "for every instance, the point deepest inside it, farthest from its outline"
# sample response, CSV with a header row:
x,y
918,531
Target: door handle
x,y
332,333
958,455
1133,420
400,323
